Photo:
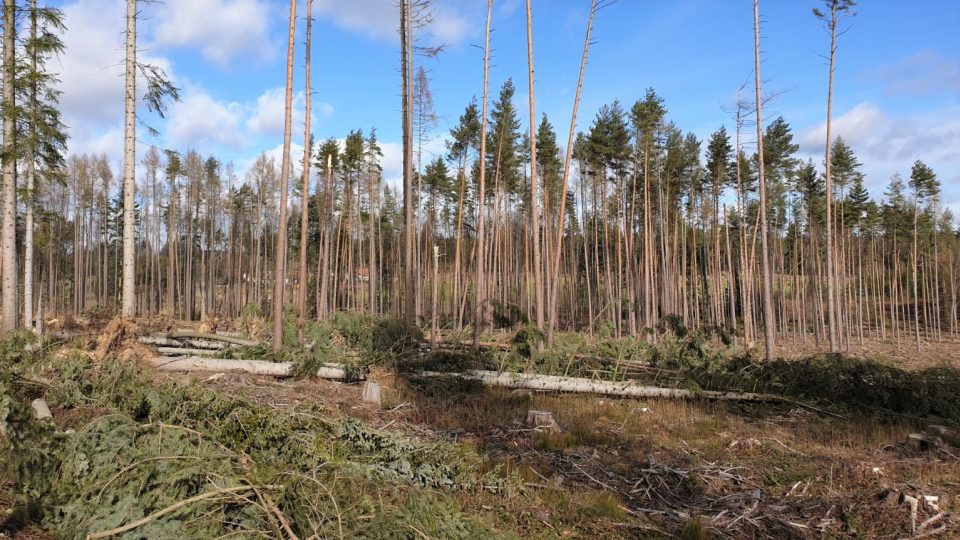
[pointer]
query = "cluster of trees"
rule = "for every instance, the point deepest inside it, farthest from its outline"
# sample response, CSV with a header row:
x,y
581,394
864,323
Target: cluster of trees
x,y
632,220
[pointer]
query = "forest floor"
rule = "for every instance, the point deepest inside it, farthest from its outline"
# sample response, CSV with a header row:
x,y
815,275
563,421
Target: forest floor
x,y
934,352
615,468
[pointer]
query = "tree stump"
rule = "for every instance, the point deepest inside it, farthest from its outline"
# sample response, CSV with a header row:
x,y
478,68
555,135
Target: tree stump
x,y
921,442
542,421
371,393
40,409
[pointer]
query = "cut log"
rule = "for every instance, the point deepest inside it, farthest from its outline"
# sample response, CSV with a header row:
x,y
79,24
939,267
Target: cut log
x,y
371,393
213,337
555,383
254,367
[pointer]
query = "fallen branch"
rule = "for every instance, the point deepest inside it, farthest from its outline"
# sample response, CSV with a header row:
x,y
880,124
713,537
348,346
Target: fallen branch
x,y
587,386
172,508
254,367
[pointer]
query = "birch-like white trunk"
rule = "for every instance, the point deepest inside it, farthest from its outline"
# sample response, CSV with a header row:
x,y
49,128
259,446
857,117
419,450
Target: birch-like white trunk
x,y
128,300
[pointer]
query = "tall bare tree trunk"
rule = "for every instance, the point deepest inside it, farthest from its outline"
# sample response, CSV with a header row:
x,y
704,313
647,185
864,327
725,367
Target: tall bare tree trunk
x,y
279,272
434,328
914,258
409,225
323,304
31,179
534,190
769,324
555,267
9,229
305,194
480,294
128,294
831,292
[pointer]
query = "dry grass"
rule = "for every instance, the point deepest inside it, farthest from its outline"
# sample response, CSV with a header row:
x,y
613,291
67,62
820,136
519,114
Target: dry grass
x,y
654,468
824,475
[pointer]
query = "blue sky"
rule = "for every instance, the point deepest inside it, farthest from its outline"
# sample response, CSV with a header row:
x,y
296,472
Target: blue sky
x,y
897,89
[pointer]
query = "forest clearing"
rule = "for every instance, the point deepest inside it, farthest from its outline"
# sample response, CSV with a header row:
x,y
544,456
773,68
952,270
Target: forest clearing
x,y
475,324
439,457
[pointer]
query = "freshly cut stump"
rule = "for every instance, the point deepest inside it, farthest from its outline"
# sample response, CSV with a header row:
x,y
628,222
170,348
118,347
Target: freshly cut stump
x,y
40,409
371,393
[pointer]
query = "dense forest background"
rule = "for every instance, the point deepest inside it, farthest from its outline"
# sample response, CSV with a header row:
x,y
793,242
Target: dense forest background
x,y
641,223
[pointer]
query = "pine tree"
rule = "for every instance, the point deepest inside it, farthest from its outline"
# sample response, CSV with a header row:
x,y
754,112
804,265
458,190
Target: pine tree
x,y
45,141
646,118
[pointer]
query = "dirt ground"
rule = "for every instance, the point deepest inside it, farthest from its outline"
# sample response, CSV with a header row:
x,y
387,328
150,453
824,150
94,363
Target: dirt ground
x,y
933,352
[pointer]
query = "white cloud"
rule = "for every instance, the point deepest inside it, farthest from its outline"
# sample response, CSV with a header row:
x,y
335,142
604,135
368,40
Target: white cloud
x,y
392,163
200,121
887,144
379,19
222,29
91,75
268,112
856,126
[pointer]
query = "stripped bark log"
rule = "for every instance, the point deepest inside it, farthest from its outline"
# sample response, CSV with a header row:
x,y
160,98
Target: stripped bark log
x,y
163,341
254,367
185,351
587,386
212,337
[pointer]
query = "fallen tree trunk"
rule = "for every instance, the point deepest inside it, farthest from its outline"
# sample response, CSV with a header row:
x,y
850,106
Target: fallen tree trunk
x,y
254,367
184,351
213,337
164,341
589,386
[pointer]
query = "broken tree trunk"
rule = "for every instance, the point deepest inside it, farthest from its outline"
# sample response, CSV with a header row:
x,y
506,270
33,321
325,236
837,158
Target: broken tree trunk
x,y
254,367
588,386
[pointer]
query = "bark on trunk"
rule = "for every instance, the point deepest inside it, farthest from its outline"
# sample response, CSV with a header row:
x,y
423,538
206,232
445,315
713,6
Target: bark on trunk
x,y
9,229
254,367
128,294
589,386
279,272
